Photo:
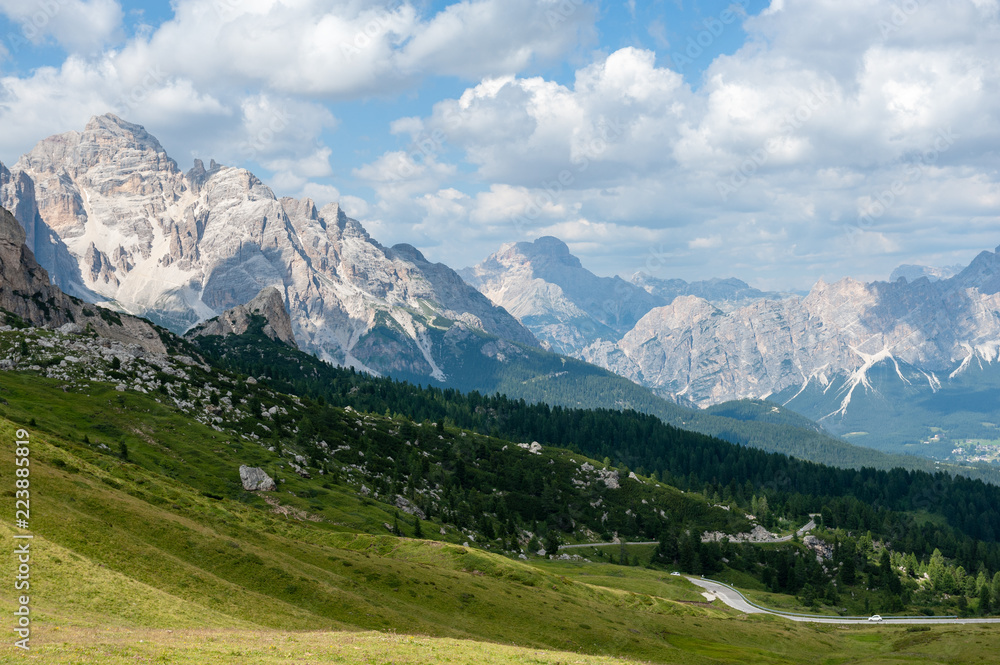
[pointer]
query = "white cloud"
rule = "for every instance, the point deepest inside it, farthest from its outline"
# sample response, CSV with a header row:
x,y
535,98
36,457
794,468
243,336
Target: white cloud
x,y
355,49
482,38
823,110
79,26
249,81
768,159
711,242
279,132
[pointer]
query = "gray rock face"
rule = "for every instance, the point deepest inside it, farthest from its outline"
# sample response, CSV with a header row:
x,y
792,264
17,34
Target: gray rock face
x,y
25,290
570,309
610,478
560,301
255,480
694,350
726,294
181,248
409,507
268,304
718,340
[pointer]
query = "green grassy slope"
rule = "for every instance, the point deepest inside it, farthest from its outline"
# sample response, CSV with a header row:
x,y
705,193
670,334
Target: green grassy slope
x,y
124,556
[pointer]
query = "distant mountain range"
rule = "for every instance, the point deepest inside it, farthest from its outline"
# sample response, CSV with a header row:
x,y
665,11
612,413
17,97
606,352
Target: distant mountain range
x,y
569,308
931,336
912,273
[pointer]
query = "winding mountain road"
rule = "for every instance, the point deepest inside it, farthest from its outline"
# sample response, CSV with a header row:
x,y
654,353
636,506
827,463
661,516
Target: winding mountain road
x,y
809,526
736,600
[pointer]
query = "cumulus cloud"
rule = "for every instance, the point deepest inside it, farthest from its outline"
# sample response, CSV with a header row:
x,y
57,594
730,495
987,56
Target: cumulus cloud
x,y
354,48
836,139
79,26
250,82
842,134
279,133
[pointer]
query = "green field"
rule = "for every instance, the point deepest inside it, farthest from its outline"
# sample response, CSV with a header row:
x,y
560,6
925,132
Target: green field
x,y
151,552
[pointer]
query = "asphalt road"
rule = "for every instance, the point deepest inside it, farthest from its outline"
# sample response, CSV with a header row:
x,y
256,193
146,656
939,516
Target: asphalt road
x,y
809,526
629,542
736,600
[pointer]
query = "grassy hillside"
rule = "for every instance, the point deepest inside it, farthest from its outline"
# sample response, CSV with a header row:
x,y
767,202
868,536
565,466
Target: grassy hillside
x,y
133,566
681,458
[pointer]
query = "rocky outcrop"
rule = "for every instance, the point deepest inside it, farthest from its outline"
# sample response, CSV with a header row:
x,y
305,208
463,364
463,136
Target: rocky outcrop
x,y
268,304
609,477
758,535
255,480
182,248
25,291
409,507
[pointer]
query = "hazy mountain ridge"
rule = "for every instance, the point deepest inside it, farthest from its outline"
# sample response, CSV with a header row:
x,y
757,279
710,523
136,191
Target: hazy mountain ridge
x,y
912,273
560,301
840,328
725,293
121,223
570,308
754,344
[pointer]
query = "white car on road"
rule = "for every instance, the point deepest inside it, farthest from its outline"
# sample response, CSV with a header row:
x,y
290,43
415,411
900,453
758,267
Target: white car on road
x,y
875,617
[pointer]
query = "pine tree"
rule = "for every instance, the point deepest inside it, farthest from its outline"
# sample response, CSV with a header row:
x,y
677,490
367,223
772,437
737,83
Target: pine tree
x,y
666,549
848,571
984,600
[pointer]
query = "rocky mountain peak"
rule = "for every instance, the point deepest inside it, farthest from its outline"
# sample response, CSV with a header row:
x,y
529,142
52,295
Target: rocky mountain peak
x,y
349,227
559,300
544,253
408,252
111,124
983,273
269,304
198,174
183,248
106,140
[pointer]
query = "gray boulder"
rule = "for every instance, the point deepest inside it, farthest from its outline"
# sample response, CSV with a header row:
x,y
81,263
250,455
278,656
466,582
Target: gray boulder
x,y
255,480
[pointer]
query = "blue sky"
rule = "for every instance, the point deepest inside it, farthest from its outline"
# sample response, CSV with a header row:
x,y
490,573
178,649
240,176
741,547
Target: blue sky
x,y
779,141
